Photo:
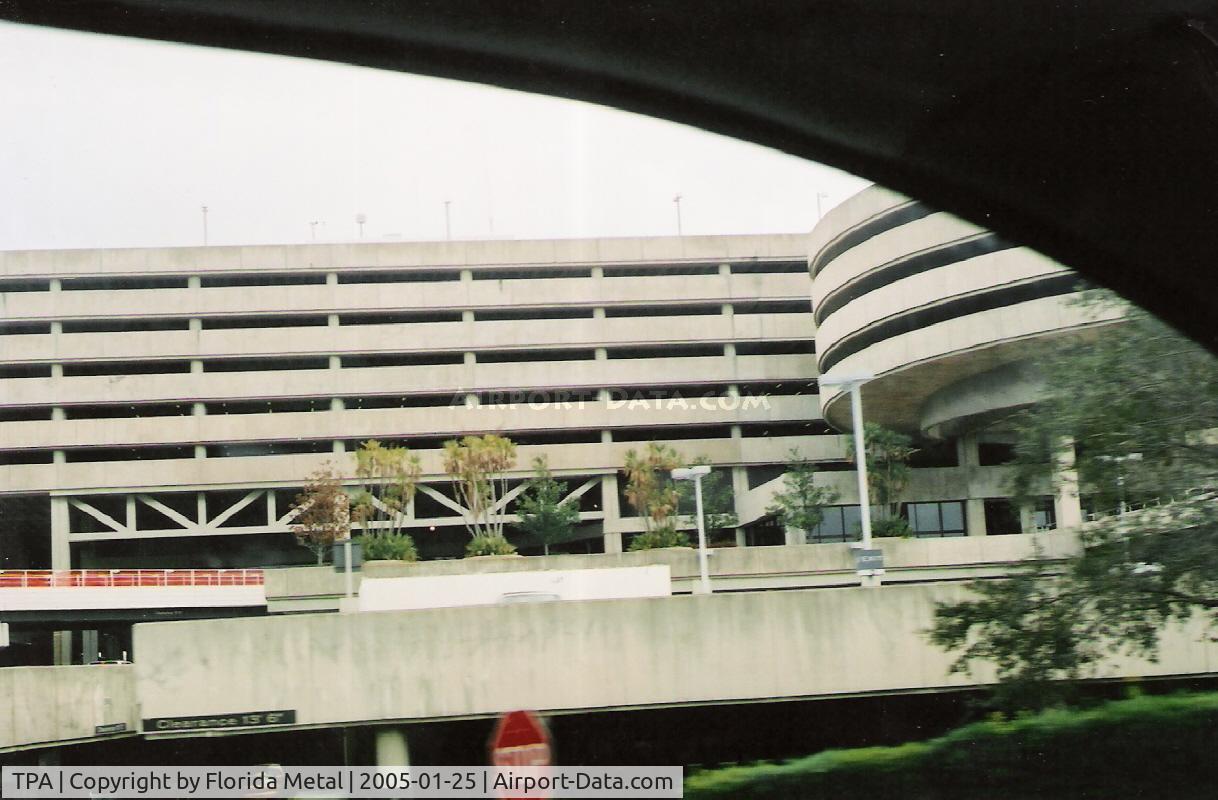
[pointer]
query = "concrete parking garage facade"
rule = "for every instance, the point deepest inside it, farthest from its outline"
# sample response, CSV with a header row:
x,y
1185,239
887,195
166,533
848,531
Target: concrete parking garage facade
x,y
157,399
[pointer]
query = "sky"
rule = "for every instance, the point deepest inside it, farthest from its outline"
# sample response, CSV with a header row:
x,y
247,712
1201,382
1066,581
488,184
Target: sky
x,y
111,142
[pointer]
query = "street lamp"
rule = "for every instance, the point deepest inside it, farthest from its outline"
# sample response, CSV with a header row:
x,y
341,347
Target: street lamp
x,y
1119,460
853,383
696,474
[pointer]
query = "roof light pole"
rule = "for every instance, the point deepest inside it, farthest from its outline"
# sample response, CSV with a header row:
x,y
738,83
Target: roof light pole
x,y
853,384
696,474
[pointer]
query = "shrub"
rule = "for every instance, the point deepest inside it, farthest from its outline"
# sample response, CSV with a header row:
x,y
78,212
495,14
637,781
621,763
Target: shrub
x,y
489,546
1141,747
388,546
891,526
665,536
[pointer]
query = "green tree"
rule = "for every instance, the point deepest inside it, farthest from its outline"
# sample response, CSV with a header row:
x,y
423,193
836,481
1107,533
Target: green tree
x,y
543,515
653,494
1134,386
478,467
323,512
888,474
801,504
390,477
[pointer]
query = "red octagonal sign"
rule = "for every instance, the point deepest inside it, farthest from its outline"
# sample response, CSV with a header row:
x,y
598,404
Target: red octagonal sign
x,y
520,740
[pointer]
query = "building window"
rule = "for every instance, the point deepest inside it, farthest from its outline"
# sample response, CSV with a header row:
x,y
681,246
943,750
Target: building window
x,y
936,519
1044,516
1001,517
840,524
765,532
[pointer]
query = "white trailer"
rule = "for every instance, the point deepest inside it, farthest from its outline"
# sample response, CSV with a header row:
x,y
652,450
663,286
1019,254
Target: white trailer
x,y
449,591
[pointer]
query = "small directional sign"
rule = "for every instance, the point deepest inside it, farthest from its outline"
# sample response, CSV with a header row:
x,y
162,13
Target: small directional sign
x,y
113,727
869,562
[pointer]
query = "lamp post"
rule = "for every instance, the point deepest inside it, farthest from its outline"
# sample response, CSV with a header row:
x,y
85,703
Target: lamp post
x,y
852,384
1119,461
696,474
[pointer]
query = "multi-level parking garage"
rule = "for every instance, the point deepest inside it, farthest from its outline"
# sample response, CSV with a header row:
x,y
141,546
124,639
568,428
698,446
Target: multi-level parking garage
x,y
161,407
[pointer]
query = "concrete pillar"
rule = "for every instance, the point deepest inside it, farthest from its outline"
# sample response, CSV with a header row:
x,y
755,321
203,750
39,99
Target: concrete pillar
x,y
61,553
467,316
613,513
598,312
1066,504
1027,521
61,648
740,486
61,559
331,279
391,747
337,405
974,516
88,646
794,536
194,282
332,320
198,410
725,269
969,459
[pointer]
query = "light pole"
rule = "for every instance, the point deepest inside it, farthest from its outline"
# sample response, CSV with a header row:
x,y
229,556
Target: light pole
x,y
204,226
360,219
677,201
448,228
696,474
1119,461
853,384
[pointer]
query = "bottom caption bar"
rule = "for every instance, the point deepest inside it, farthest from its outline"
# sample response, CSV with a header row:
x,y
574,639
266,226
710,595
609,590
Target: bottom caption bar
x,y
276,781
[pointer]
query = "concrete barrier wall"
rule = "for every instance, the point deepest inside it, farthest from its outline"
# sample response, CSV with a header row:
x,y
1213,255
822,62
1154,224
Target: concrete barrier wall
x,y
463,662
54,705
959,558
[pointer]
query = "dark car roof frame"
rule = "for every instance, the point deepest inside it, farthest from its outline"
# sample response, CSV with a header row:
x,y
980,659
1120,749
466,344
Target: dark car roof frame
x,y
1087,129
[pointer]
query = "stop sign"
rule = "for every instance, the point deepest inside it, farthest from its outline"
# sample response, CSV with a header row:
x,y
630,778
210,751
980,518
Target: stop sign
x,y
520,740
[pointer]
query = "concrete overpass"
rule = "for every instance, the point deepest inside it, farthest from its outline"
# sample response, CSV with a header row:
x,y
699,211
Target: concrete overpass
x,y
394,669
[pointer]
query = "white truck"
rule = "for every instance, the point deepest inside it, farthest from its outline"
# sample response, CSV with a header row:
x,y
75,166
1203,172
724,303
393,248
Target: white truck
x,y
500,588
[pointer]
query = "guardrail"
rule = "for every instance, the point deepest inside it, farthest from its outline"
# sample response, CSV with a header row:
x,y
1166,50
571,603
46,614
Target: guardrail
x,y
115,578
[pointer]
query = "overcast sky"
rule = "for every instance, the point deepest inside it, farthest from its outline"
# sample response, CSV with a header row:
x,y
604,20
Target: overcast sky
x,y
110,142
